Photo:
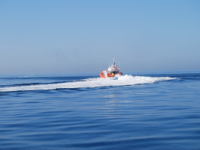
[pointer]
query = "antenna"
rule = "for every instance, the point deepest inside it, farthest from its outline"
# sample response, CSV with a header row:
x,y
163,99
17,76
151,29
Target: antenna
x,y
113,61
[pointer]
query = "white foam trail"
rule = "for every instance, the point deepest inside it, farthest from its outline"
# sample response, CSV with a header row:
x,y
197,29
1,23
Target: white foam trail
x,y
91,82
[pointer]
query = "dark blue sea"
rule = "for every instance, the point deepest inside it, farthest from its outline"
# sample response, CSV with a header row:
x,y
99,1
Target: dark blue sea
x,y
147,111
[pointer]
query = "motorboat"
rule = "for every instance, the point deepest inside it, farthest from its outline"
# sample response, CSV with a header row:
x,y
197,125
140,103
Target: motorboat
x,y
113,71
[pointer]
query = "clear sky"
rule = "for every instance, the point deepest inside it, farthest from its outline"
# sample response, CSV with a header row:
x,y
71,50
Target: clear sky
x,y
83,36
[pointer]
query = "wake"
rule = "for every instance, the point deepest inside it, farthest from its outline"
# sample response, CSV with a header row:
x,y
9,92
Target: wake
x,y
90,82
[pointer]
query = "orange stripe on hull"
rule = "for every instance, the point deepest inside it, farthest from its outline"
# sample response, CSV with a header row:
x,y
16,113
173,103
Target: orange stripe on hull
x,y
101,75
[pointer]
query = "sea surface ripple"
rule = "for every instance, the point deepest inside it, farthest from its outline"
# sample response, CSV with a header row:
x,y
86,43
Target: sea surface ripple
x,y
151,111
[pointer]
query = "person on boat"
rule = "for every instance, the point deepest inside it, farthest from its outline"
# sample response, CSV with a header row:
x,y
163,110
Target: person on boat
x,y
113,74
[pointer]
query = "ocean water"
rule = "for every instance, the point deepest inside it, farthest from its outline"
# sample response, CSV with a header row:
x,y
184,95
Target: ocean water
x,y
136,111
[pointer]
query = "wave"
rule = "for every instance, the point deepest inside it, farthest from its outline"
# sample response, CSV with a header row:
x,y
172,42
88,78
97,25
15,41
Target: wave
x,y
89,83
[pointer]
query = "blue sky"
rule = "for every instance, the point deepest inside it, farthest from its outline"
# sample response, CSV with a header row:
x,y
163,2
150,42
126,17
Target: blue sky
x,y
83,36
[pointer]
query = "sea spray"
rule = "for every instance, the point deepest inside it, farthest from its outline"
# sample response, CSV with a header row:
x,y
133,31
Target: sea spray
x,y
90,83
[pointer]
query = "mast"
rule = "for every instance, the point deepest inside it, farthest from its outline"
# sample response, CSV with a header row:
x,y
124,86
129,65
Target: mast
x,y
113,61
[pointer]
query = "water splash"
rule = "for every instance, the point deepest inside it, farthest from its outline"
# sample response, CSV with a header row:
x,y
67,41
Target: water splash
x,y
90,82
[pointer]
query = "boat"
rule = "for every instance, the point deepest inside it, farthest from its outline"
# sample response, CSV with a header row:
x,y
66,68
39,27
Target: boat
x,y
112,72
